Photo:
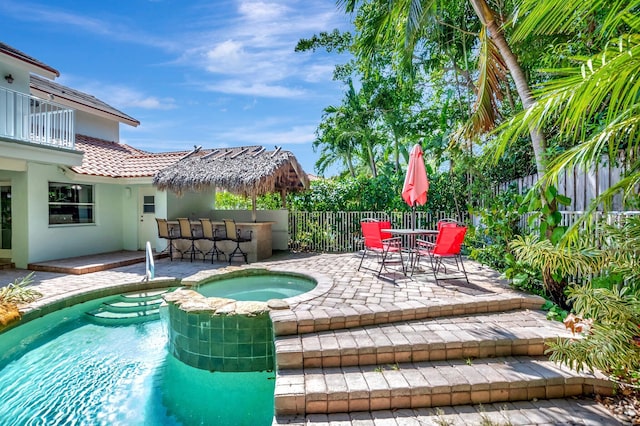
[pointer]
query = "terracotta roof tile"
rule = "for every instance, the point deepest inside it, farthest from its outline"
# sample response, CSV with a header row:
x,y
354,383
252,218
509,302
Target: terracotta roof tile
x,y
112,159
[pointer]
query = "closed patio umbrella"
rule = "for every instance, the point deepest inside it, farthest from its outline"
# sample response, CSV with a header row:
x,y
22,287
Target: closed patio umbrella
x,y
416,185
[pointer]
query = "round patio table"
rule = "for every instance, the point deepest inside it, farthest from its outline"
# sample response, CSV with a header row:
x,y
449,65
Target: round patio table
x,y
409,240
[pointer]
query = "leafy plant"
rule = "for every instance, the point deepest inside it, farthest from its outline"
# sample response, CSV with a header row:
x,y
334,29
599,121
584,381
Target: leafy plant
x,y
13,294
489,240
610,304
554,312
523,276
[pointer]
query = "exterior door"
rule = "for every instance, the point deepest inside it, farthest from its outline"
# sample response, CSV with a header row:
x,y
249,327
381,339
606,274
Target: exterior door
x,y
5,220
147,229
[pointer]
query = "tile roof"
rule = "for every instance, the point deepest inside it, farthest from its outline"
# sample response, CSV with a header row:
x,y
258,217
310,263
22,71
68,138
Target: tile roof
x,y
21,56
117,160
78,97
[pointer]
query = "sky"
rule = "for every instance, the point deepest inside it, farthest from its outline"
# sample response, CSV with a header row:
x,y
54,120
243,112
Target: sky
x,y
217,73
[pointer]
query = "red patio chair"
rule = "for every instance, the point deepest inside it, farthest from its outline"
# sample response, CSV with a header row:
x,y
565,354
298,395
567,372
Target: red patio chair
x,y
446,222
375,241
448,246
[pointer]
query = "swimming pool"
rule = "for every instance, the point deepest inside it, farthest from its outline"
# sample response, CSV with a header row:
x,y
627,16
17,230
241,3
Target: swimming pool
x,y
64,369
262,286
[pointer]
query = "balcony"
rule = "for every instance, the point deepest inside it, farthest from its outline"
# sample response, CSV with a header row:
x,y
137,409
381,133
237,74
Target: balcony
x,y
29,119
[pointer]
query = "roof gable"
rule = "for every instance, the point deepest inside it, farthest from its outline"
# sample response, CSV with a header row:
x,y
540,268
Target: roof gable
x,y
33,64
79,100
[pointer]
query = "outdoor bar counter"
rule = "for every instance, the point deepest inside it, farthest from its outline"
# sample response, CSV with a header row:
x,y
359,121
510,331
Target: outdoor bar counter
x,y
259,248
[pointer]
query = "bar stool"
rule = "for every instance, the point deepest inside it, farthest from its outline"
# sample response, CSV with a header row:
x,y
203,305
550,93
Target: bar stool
x,y
166,233
208,233
233,234
186,233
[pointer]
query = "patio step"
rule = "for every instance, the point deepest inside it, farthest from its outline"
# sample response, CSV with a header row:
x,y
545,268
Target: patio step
x,y
309,321
560,411
463,337
130,308
105,317
428,384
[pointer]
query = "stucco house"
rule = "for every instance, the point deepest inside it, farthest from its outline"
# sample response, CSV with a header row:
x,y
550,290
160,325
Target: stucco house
x,y
68,187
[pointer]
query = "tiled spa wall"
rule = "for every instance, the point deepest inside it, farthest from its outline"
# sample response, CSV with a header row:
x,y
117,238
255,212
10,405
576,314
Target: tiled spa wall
x,y
221,342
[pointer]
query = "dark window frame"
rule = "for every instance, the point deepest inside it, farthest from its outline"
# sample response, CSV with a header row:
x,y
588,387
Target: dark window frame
x,y
71,204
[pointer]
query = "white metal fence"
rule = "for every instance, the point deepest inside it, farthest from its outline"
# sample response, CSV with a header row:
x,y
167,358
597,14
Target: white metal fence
x,y
339,232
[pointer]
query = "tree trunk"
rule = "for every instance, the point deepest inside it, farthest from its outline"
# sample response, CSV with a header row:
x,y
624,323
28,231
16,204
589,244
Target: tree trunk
x,y
555,289
487,17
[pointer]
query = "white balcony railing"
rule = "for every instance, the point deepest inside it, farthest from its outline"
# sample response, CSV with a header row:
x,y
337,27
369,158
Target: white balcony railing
x,y
29,119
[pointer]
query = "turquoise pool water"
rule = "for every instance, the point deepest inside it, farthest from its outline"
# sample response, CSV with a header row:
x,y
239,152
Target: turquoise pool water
x,y
261,287
62,369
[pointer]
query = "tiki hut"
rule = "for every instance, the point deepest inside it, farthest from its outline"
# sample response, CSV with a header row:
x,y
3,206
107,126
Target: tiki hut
x,y
247,171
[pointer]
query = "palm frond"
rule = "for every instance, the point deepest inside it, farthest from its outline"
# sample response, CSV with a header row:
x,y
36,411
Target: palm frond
x,y
548,17
485,111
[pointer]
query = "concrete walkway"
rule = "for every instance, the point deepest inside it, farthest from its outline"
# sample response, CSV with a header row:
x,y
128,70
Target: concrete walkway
x,y
395,332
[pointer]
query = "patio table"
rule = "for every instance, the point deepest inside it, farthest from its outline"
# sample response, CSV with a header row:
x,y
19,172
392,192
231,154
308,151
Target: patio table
x,y
409,239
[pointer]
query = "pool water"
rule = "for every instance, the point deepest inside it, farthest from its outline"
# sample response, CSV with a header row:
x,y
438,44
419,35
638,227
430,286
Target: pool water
x,y
259,288
62,369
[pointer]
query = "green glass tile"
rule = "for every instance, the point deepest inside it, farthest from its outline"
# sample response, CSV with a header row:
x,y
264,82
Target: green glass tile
x,y
231,364
216,336
216,349
245,336
230,322
245,350
204,348
216,364
230,350
259,350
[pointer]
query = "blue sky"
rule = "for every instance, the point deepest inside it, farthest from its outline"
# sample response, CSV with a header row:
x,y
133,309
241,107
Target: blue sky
x,y
214,73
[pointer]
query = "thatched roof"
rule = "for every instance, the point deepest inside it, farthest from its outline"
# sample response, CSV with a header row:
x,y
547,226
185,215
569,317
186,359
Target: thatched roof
x,y
248,171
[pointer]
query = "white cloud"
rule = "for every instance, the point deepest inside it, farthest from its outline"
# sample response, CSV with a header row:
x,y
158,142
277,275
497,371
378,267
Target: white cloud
x,y
254,51
242,87
295,135
120,96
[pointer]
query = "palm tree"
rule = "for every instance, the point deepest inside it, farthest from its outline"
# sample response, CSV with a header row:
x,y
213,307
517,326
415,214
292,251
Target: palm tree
x,y
413,17
594,102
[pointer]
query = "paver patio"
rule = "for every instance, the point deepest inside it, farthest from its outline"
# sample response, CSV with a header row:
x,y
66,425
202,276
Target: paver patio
x,y
369,351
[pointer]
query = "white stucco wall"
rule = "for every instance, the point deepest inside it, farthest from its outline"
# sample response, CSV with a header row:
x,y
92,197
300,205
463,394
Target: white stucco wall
x,y
193,205
279,229
47,242
97,127
20,77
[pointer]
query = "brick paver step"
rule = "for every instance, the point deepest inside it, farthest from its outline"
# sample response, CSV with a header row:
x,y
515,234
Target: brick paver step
x,y
338,314
575,411
429,384
470,336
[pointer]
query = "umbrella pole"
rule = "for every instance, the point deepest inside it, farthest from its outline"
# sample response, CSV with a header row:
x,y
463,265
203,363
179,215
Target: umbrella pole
x,y
413,216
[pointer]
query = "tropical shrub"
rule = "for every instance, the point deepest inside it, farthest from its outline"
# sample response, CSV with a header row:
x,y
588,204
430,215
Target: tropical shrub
x,y
607,311
14,294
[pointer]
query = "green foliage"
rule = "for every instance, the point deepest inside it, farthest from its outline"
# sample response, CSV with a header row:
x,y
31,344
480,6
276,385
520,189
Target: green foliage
x,y
523,276
611,343
610,306
554,312
17,292
489,241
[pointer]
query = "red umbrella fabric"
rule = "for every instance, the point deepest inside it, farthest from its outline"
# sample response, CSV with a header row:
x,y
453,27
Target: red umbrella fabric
x,y
416,185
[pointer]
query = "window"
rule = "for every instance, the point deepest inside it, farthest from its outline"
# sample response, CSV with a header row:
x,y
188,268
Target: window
x,y
149,204
70,203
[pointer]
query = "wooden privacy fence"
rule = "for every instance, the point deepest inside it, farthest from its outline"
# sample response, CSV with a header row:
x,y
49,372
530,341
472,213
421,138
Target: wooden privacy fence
x,y
579,185
339,232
